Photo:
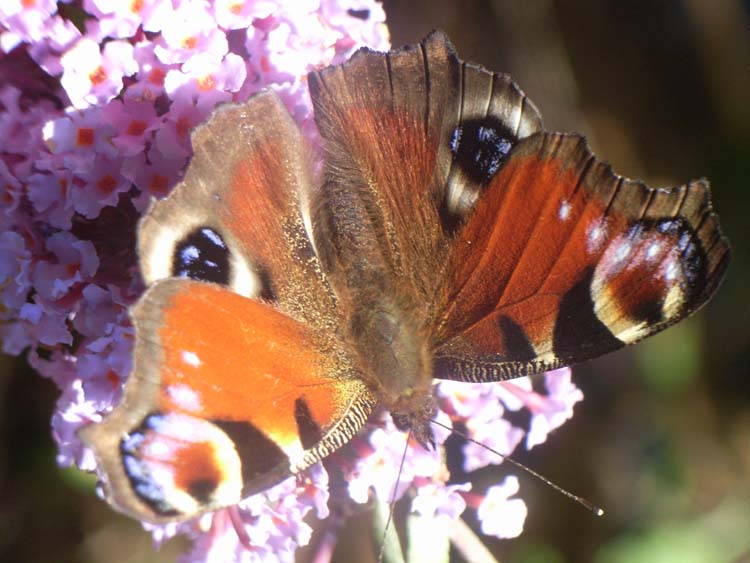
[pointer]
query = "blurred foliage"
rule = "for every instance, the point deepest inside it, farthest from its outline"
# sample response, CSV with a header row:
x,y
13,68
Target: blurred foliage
x,y
662,89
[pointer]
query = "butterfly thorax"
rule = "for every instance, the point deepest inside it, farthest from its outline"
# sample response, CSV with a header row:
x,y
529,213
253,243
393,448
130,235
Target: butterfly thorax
x,y
396,361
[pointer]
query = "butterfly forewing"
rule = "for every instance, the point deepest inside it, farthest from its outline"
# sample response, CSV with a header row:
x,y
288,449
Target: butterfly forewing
x,y
562,260
243,198
411,137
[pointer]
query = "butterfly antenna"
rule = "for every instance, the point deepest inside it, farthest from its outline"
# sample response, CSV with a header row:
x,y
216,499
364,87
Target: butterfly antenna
x,y
393,499
588,505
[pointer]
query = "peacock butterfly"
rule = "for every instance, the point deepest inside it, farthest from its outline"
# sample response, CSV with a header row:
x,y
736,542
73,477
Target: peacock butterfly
x,y
447,236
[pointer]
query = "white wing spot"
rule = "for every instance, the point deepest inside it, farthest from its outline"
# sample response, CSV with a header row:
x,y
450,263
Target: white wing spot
x,y
672,271
184,397
622,251
191,358
564,211
595,235
653,250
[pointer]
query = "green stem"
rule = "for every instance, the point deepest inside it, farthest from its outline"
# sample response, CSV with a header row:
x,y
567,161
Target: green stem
x,y
469,545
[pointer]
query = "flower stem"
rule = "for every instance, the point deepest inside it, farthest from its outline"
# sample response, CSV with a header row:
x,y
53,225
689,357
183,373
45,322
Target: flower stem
x,y
390,551
469,545
428,539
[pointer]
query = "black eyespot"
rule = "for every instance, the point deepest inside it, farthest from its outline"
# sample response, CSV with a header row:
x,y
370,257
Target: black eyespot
x,y
480,147
692,256
202,489
359,14
202,255
137,471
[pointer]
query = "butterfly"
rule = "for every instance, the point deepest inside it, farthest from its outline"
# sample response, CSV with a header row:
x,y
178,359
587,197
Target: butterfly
x,y
448,235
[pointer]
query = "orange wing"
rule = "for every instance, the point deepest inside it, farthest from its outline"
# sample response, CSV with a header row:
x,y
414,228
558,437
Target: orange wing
x,y
207,421
562,260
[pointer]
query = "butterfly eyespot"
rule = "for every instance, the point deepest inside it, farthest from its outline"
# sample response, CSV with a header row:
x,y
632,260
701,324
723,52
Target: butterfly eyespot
x,y
363,14
202,255
480,147
648,276
176,463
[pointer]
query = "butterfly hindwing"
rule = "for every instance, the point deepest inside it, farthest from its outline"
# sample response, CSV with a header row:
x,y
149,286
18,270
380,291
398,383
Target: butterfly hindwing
x,y
207,421
562,260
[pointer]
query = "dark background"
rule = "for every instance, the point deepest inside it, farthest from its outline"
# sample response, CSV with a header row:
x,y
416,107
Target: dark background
x,y
662,441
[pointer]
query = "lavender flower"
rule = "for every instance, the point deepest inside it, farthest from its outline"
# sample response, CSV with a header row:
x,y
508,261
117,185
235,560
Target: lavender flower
x,y
96,107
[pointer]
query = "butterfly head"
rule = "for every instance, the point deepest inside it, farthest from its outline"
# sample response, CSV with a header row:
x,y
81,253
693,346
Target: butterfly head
x,y
417,420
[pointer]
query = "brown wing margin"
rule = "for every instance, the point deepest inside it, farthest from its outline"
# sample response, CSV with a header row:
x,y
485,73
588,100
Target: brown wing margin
x,y
563,260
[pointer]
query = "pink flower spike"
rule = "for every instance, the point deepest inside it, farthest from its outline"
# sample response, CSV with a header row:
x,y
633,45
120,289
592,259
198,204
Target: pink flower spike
x,y
548,411
287,44
59,34
134,122
91,76
49,193
72,261
238,14
498,434
206,80
556,408
313,484
80,133
10,191
469,400
154,176
27,20
149,80
502,516
440,501
74,411
379,471
122,19
173,136
190,30
358,22
102,185
15,263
